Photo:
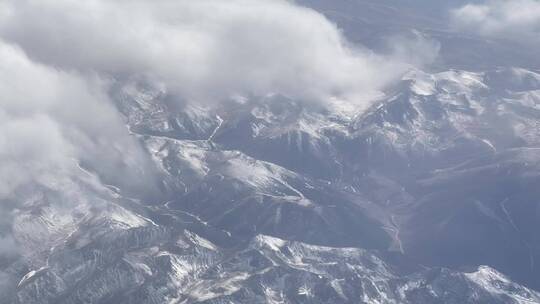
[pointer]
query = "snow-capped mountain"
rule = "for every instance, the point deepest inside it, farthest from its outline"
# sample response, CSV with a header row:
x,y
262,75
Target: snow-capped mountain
x,y
356,208
429,194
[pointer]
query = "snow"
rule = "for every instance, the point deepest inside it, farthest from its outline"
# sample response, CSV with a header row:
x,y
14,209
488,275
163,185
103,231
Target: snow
x,y
126,219
220,123
200,241
489,144
497,284
201,270
27,277
231,283
421,83
272,242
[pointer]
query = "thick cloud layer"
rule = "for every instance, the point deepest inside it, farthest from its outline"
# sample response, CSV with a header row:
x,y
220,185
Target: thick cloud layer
x,y
51,120
59,58
517,20
207,49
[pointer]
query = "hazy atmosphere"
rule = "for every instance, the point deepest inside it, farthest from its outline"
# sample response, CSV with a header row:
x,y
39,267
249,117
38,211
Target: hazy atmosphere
x,y
269,151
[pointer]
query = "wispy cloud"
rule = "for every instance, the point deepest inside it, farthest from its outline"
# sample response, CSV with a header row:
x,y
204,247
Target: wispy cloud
x,y
50,120
517,20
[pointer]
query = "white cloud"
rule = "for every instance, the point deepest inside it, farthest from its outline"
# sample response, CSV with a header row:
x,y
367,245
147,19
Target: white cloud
x,y
59,57
415,48
517,20
31,149
205,49
50,120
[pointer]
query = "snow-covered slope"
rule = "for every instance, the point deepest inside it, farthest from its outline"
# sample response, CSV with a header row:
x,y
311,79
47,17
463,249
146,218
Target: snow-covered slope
x,y
429,196
271,200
